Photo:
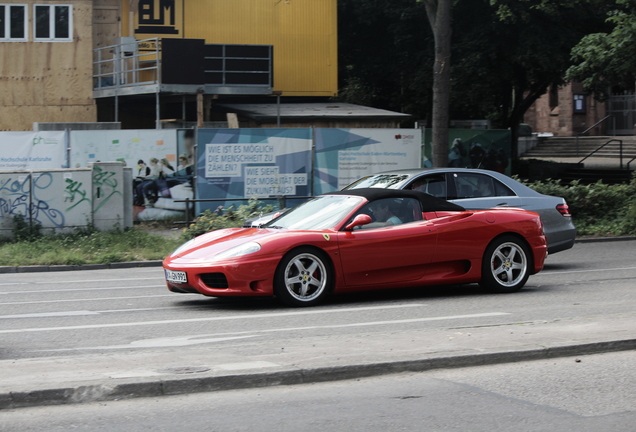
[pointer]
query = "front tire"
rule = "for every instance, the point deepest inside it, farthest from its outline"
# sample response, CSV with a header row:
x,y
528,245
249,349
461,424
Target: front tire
x,y
506,265
303,278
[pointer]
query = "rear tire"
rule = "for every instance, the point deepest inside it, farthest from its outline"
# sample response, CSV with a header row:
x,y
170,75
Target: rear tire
x,y
506,265
304,277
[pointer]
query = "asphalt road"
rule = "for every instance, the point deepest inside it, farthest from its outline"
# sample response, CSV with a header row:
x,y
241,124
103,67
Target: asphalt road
x,y
128,310
584,394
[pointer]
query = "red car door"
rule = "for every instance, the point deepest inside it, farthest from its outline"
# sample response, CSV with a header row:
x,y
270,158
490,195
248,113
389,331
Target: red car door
x,y
387,254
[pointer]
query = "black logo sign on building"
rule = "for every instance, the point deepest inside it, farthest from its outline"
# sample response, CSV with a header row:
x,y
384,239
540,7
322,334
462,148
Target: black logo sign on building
x,y
157,17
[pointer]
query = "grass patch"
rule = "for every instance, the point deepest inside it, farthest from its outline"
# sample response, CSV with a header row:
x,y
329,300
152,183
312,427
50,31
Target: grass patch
x,y
87,247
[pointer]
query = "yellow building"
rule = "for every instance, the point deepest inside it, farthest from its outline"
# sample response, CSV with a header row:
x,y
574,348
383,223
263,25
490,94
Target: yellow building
x,y
194,52
303,34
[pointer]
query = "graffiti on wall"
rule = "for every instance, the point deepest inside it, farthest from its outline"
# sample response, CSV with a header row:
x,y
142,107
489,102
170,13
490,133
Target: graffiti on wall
x,y
24,196
60,199
75,193
105,186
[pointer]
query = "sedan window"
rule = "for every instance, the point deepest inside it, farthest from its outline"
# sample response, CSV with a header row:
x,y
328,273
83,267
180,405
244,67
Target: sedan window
x,y
469,185
433,185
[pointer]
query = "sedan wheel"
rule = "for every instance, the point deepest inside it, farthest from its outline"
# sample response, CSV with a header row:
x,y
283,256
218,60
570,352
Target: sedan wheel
x,y
506,264
303,278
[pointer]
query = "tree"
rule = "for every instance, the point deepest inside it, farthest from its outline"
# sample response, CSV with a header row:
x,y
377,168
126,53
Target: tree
x,y
440,18
606,59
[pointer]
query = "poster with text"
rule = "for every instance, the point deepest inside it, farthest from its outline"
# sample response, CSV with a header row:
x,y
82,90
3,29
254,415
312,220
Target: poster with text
x,y
238,164
32,150
345,155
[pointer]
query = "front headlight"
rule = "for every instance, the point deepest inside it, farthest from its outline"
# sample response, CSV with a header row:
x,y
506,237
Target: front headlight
x,y
244,249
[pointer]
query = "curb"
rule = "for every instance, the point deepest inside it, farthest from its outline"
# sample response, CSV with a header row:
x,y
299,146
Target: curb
x,y
45,268
603,239
100,392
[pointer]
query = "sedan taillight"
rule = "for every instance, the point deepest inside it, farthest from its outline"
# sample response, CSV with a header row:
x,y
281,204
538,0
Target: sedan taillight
x,y
564,210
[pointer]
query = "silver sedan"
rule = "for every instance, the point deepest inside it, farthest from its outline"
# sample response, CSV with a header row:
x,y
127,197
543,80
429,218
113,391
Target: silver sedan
x,y
481,189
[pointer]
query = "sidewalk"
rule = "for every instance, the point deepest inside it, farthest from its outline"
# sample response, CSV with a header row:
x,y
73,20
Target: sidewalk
x,y
82,378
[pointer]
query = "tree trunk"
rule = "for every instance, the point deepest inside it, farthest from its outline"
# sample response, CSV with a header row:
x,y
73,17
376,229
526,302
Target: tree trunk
x,y
439,16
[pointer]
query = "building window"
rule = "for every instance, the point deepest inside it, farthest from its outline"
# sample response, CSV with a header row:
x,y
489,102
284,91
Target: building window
x,y
52,23
554,97
13,23
579,104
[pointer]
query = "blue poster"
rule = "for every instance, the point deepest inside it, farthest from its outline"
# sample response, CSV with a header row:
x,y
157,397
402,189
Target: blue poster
x,y
234,165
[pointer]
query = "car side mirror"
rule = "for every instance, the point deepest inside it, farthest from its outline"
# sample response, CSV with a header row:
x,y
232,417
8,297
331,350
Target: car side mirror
x,y
361,219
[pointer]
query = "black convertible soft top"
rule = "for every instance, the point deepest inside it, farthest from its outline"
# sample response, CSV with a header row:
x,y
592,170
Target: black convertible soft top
x,y
429,202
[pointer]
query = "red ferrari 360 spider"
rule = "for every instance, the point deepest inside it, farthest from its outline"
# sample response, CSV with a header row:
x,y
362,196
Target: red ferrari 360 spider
x,y
362,239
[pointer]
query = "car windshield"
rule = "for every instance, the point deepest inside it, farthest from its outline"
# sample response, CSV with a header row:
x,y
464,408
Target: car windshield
x,y
317,214
384,181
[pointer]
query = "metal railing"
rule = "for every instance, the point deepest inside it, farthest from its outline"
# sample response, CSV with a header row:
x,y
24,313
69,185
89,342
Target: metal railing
x,y
125,65
231,66
609,141
587,130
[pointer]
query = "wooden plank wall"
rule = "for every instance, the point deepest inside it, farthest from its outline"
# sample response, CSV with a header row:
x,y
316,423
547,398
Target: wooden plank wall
x,y
106,22
52,81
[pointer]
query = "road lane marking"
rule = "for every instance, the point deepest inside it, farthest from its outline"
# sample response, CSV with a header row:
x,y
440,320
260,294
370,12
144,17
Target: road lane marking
x,y
78,313
66,282
179,341
54,291
223,318
87,299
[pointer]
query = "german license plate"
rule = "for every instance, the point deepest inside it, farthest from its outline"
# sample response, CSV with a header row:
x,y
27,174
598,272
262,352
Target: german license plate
x,y
176,276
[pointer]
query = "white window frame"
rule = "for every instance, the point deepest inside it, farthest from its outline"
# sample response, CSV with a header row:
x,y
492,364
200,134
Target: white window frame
x,y
52,37
7,23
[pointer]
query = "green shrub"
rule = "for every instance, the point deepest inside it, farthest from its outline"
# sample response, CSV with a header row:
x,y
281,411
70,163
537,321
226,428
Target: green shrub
x,y
210,221
597,209
24,230
87,246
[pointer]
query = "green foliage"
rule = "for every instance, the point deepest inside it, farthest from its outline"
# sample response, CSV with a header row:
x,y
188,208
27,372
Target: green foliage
x,y
87,246
597,209
603,60
24,230
210,221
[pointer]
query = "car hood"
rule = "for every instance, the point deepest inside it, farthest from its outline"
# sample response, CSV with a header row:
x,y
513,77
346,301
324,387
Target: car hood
x,y
207,245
